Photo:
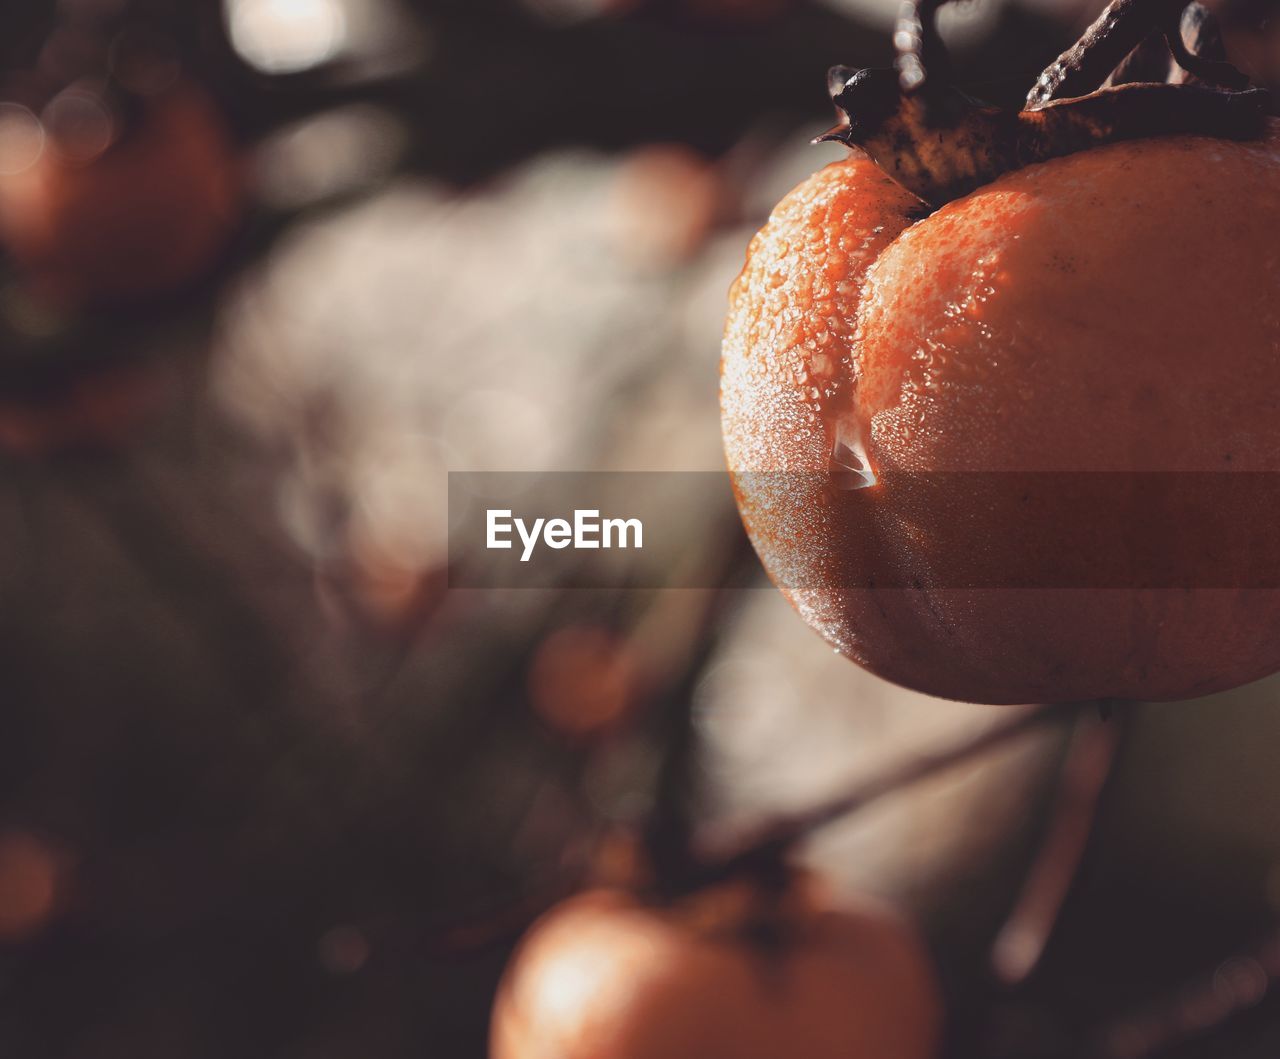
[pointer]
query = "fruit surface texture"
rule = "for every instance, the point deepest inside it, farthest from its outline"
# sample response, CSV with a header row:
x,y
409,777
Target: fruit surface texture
x,y
603,976
1084,327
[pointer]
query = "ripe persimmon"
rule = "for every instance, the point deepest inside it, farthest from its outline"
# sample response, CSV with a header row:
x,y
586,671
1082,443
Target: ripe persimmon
x,y
1106,312
606,976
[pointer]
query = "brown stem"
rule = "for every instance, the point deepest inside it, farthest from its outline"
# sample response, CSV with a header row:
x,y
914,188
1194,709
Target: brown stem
x,y
1194,1010
949,145
1121,27
1150,61
774,841
1120,30
1201,55
1085,772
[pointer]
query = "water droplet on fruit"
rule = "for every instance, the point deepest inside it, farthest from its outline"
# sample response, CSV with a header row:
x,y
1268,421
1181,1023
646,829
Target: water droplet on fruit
x,y
850,468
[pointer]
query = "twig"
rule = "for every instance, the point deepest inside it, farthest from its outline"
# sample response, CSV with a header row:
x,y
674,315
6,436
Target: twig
x,y
776,839
1236,985
1021,942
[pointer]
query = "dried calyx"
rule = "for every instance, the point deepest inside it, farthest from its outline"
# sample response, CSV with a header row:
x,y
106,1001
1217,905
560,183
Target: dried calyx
x,y
940,144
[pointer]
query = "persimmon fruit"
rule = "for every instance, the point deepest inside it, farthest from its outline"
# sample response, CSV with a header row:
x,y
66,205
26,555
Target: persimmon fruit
x,y
30,881
146,216
583,681
1074,325
607,976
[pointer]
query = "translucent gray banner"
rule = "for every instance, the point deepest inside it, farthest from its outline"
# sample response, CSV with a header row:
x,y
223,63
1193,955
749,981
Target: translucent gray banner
x,y
970,530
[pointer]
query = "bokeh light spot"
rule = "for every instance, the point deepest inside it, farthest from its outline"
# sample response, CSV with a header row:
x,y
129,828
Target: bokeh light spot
x,y
80,125
286,36
22,139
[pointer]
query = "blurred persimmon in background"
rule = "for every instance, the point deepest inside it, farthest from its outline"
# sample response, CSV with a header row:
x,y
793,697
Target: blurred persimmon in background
x,y
728,972
110,200
583,680
30,881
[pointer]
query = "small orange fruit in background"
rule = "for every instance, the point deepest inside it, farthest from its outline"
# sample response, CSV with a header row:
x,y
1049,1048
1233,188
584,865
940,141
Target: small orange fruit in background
x,y
116,210
583,680
605,976
1110,311
30,881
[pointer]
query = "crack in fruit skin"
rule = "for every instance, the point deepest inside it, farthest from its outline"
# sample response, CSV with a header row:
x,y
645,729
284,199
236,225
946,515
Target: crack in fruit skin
x,y
1113,310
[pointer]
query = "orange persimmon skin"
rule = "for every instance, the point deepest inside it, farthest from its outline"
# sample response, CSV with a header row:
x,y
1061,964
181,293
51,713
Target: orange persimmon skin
x,y
1114,310
603,976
